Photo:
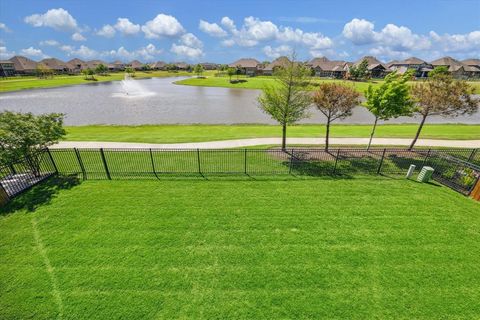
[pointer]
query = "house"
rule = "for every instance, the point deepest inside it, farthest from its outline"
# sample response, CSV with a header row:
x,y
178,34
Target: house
x,y
376,68
474,67
76,65
24,65
209,65
421,67
181,65
117,66
246,66
56,65
159,65
7,68
455,67
270,68
137,65
92,64
327,68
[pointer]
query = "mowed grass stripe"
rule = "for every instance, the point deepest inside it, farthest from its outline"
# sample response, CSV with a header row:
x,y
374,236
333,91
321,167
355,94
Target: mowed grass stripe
x,y
352,248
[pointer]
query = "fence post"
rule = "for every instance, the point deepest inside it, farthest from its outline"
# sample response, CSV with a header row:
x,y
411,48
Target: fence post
x,y
245,162
381,161
474,152
105,164
336,160
53,161
153,163
426,158
198,159
291,162
80,162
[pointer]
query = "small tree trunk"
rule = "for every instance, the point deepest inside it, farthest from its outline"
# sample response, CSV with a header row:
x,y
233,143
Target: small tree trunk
x,y
424,117
373,132
327,135
284,137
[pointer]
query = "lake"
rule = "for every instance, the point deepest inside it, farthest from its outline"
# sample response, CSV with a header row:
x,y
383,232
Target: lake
x,y
159,101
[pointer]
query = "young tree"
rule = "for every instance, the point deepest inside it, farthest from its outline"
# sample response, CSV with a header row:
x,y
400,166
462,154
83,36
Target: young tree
x,y
438,70
335,101
146,67
130,71
288,100
101,69
43,71
24,134
359,72
390,100
444,96
198,69
89,74
231,72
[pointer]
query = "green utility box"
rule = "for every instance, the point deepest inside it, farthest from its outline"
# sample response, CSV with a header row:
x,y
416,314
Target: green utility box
x,y
425,175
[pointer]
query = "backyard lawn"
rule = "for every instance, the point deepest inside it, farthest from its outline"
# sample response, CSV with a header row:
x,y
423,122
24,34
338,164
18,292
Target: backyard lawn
x,y
196,133
295,248
261,82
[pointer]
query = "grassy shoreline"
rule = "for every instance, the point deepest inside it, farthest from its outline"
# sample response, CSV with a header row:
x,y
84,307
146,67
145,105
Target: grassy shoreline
x,y
27,83
261,82
199,133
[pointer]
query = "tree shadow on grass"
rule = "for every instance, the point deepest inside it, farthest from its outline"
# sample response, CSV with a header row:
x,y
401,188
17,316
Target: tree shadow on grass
x,y
41,194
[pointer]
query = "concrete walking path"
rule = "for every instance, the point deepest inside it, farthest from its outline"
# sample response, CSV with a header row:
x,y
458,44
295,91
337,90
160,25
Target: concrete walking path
x,y
238,143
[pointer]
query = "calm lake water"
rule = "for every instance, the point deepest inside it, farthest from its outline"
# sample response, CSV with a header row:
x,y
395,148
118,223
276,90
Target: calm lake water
x,y
159,101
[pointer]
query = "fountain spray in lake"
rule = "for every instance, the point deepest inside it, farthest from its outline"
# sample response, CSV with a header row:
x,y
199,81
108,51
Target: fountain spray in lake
x,y
132,88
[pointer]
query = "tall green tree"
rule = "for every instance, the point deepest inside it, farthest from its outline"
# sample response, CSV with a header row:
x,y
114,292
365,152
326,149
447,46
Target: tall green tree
x,y
231,72
444,96
288,100
198,69
89,74
359,72
335,101
22,135
130,71
390,100
101,69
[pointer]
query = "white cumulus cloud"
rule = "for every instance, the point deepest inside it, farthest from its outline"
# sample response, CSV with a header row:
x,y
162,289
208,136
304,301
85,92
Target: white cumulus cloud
x,y
212,29
359,31
52,43
126,27
33,53
469,42
77,36
106,31
4,27
144,53
5,54
274,53
191,40
163,26
58,19
186,51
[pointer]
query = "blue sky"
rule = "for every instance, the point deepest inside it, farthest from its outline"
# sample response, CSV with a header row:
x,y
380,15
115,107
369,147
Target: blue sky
x,y
223,31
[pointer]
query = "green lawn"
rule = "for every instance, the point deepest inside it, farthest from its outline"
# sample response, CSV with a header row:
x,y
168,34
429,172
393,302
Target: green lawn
x,y
195,133
365,248
261,82
13,84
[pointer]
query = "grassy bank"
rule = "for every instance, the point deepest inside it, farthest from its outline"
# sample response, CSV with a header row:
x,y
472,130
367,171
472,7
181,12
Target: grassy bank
x,y
14,84
196,133
261,82
365,248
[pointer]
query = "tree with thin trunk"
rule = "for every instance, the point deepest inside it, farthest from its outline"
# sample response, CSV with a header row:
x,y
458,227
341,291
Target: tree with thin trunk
x,y
390,100
287,100
442,95
335,101
231,72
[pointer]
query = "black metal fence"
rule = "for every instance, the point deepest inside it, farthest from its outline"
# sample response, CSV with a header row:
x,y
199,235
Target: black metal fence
x,y
455,168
